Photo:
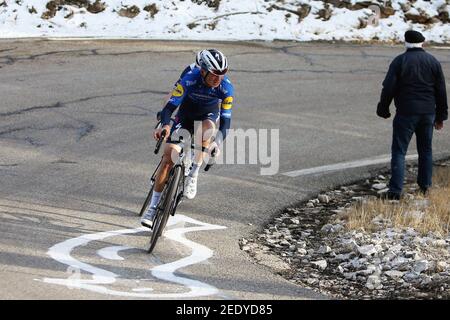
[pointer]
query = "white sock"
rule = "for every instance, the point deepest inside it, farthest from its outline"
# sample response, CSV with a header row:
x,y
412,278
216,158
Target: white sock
x,y
155,199
194,170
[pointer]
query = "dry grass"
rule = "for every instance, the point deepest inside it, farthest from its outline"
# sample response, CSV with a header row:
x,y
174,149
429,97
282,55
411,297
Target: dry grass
x,y
424,214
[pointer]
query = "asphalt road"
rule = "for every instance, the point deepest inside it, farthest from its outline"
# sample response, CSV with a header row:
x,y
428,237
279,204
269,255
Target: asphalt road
x,y
76,154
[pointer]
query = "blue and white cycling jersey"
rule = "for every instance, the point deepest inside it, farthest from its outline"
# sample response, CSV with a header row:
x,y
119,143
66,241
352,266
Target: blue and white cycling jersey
x,y
193,92
196,100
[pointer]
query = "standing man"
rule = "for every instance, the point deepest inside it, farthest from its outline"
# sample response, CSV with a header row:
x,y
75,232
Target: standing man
x,y
416,83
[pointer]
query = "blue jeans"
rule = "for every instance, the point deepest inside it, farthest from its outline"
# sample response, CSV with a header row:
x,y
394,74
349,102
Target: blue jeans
x,y
404,128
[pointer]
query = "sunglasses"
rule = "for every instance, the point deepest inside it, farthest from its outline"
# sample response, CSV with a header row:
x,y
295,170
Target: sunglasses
x,y
219,73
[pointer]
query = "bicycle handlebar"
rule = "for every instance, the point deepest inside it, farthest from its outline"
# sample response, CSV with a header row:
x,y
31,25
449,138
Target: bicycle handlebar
x,y
160,141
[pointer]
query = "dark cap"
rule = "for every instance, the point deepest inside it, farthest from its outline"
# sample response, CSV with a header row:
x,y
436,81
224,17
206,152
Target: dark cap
x,y
412,36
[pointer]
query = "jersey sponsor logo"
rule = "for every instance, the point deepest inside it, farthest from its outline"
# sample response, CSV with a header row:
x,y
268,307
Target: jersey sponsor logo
x,y
190,83
227,103
178,91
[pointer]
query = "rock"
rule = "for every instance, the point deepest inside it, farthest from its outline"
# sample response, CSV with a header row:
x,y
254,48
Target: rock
x,y
292,247
152,9
129,12
285,243
31,10
399,263
382,191
425,280
349,246
96,7
441,266
321,264
439,243
303,11
295,221
324,198
379,186
369,270
394,274
396,248
302,251
324,249
421,18
336,228
350,276
421,266
305,234
310,204
367,250
374,282
327,228
325,13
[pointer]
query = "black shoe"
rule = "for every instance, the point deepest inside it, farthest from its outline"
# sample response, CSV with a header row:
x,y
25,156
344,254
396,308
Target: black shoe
x,y
390,196
424,191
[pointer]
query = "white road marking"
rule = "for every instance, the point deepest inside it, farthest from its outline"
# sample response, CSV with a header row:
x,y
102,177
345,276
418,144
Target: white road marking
x,y
142,289
112,253
345,165
100,277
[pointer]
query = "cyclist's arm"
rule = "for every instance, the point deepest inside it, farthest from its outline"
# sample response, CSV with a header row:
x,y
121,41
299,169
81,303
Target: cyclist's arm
x,y
176,98
166,113
225,119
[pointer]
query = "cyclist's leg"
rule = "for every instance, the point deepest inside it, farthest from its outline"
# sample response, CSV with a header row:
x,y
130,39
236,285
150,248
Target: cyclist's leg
x,y
204,138
171,152
180,127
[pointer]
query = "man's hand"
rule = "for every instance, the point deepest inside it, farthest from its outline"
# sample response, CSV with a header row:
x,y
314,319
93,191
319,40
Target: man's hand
x,y
157,132
214,146
385,114
439,125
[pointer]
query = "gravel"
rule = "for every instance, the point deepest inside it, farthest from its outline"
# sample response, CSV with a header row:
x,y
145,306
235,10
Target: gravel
x,y
322,254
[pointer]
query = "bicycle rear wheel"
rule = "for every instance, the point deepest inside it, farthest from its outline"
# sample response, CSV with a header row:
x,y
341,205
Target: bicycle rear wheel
x,y
168,198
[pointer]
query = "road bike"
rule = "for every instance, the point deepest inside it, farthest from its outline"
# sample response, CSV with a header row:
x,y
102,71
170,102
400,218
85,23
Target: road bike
x,y
173,190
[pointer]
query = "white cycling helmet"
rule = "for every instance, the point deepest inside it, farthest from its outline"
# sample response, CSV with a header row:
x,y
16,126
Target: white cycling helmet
x,y
198,58
213,61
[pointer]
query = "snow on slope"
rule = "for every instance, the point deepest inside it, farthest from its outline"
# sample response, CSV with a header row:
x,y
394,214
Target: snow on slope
x,y
300,20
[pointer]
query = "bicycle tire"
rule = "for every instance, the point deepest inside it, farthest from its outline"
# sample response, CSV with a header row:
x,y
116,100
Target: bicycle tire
x,y
172,197
168,200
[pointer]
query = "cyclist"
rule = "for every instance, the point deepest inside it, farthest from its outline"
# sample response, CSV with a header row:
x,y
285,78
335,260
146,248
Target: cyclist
x,y
197,96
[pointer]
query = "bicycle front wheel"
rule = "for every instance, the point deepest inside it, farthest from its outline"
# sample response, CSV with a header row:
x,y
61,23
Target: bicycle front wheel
x,y
168,199
147,201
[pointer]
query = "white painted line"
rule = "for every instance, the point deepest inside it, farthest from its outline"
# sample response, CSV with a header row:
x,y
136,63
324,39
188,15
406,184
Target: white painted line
x,y
345,165
440,48
112,253
142,289
199,253
100,277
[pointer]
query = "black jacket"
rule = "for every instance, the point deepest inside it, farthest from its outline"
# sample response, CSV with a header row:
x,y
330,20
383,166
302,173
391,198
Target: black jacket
x,y
416,83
